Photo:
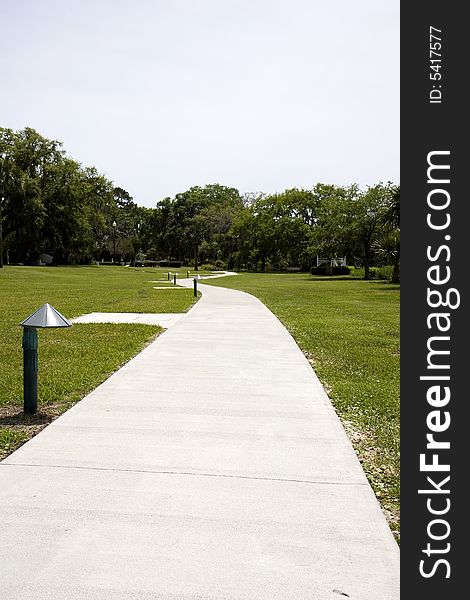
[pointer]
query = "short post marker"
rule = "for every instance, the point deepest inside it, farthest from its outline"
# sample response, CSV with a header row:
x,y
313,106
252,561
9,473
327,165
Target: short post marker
x,y
30,370
44,317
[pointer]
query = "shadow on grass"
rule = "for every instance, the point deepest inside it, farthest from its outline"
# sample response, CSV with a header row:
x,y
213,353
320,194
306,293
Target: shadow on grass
x,y
313,278
16,428
19,419
389,284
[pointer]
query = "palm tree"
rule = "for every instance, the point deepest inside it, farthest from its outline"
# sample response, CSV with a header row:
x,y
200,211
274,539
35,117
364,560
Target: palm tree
x,y
392,214
388,245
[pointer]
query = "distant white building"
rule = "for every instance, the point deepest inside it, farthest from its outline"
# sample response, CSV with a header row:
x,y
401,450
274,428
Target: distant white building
x,y
339,261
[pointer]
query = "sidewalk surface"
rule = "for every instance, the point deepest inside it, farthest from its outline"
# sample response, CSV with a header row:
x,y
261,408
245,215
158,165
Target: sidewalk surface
x,y
211,466
163,319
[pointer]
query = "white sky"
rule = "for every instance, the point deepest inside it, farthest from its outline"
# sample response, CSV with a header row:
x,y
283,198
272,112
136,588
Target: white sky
x,y
161,95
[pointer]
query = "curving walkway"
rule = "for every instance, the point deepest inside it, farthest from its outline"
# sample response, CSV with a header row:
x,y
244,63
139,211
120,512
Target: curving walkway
x,y
211,466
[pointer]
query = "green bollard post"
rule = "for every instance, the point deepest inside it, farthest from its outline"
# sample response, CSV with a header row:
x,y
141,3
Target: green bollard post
x,y
187,274
44,317
168,276
195,287
30,370
174,279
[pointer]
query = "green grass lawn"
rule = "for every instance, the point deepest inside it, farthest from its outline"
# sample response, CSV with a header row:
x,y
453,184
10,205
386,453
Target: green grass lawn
x,y
75,360
349,330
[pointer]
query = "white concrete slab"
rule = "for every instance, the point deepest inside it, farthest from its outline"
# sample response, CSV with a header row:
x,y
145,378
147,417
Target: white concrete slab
x,y
211,466
164,320
114,534
218,274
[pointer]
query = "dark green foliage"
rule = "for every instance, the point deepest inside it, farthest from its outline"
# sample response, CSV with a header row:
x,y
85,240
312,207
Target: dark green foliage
x,y
217,265
51,204
330,270
176,264
195,226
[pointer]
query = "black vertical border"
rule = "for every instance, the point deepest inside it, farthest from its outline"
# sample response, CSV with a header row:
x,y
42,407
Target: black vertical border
x,y
428,127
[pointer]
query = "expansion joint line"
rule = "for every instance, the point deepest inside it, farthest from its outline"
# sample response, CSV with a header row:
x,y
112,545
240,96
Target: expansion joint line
x,y
188,473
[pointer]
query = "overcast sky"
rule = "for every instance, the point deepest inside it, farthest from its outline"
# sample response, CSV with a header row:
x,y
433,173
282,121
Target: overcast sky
x,y
161,95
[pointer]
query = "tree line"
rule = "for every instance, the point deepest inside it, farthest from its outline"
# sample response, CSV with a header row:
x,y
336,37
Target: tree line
x,y
52,205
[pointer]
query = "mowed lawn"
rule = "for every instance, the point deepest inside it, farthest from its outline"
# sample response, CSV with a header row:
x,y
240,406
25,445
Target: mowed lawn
x,y
349,330
75,360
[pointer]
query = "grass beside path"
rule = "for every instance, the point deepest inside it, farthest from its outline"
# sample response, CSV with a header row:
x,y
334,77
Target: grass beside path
x,y
75,360
349,330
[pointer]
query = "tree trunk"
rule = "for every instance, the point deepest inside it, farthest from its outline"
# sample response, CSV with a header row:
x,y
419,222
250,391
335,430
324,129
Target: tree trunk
x,y
367,254
1,233
396,269
263,263
367,259
1,240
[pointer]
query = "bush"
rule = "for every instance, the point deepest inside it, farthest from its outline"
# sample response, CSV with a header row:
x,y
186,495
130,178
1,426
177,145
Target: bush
x,y
329,270
357,271
176,264
384,272
216,265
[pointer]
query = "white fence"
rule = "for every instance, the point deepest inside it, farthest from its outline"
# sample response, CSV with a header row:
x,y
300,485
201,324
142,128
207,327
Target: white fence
x,y
339,261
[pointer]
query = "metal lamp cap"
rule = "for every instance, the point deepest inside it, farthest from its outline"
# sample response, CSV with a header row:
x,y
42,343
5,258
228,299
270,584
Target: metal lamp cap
x,y
46,316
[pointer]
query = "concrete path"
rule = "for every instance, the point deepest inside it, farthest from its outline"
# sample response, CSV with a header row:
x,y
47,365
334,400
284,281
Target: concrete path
x,y
210,467
165,320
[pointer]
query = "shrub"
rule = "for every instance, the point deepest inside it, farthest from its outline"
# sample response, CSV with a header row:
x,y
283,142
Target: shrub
x,y
384,272
176,264
357,271
217,265
329,270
